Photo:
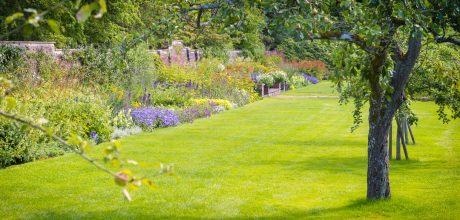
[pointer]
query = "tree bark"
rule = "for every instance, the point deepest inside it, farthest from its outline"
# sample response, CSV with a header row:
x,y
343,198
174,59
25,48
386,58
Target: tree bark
x,y
381,113
378,182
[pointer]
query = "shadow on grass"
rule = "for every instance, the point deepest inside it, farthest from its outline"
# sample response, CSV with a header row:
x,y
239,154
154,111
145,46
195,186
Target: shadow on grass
x,y
361,208
344,164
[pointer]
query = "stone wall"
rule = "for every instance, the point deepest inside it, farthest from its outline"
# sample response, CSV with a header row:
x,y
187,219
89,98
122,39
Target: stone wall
x,y
47,47
177,53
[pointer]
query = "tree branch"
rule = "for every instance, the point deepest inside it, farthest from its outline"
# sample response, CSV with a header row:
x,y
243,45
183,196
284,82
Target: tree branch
x,y
449,39
345,36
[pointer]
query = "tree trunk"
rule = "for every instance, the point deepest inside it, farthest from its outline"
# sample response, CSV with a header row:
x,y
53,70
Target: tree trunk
x,y
378,182
381,113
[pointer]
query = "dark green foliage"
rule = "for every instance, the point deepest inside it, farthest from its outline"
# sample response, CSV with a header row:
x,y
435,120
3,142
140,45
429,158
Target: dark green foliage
x,y
306,50
20,144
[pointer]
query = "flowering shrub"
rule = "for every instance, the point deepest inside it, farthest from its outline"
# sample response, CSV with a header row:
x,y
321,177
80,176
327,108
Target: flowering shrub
x,y
279,76
266,79
123,119
311,79
189,114
213,102
297,81
150,118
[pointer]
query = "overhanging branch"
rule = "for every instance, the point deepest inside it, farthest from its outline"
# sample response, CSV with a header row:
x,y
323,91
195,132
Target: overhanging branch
x,y
447,40
345,36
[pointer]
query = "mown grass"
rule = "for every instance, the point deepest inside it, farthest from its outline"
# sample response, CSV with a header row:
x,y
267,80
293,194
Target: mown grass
x,y
323,88
279,158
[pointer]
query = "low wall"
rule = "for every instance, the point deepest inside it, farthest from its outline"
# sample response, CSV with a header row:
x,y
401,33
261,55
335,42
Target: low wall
x,y
174,54
177,53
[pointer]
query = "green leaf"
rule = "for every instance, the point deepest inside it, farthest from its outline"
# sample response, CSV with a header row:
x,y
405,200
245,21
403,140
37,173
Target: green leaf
x,y
13,17
10,103
85,11
74,139
103,6
54,25
77,4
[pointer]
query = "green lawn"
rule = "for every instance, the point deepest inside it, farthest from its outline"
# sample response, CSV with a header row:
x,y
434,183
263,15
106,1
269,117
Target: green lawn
x,y
323,88
275,159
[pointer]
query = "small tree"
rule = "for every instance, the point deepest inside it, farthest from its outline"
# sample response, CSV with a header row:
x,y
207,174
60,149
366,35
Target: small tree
x,y
390,35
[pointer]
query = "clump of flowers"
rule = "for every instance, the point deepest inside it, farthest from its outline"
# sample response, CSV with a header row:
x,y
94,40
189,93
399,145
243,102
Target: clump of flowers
x,y
213,102
279,76
265,79
150,118
297,81
123,119
189,114
311,79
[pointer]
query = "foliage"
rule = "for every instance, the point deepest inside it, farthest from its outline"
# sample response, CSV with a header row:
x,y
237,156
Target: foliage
x,y
437,77
21,144
315,68
307,50
213,102
266,79
279,76
297,81
123,119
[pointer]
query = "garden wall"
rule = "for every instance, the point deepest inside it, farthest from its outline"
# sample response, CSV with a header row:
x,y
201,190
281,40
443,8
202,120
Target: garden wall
x,y
177,53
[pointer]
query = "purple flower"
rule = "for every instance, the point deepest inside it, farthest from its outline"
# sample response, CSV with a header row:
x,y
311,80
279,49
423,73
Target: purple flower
x,y
311,79
154,117
93,135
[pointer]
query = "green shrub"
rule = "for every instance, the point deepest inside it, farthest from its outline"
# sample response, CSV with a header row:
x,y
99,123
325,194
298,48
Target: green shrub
x,y
306,50
79,116
266,79
279,76
297,81
21,144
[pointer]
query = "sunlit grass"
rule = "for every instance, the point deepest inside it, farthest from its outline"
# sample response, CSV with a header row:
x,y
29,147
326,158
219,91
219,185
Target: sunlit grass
x,y
323,88
278,158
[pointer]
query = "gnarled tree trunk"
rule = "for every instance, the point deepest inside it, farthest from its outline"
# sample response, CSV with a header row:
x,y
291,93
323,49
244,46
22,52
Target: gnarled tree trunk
x,y
381,113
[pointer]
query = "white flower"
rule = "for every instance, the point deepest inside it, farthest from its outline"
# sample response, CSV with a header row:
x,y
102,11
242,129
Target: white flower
x,y
42,121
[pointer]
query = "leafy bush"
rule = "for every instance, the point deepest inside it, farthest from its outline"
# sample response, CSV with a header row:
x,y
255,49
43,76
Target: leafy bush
x,y
123,119
297,81
213,102
266,79
306,50
311,67
20,144
190,113
279,76
79,114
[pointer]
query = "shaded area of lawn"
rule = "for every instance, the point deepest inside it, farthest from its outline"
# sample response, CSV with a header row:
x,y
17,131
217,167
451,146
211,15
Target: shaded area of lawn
x,y
274,159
